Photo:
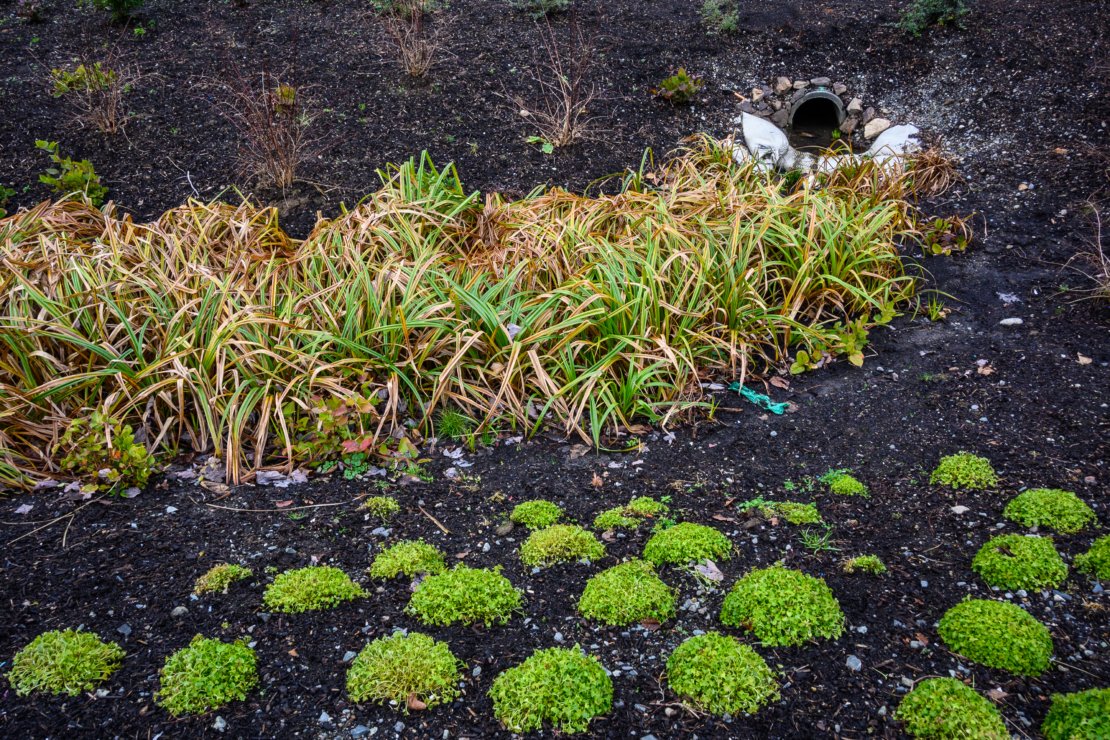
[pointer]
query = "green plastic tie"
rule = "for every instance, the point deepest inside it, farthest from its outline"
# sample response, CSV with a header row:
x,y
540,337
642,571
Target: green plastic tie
x,y
759,399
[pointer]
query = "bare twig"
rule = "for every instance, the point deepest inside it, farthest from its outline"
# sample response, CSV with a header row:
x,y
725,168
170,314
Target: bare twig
x,y
272,511
434,520
416,39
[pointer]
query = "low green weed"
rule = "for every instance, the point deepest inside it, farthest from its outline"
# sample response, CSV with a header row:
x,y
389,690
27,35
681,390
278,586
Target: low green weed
x,y
921,14
402,666
5,194
679,89
308,589
64,662
71,178
945,709
1084,715
1016,561
559,686
219,578
454,424
536,514
964,470
1050,507
540,8
686,543
207,675
409,557
866,563
721,675
720,16
797,513
120,10
818,542
630,515
783,607
1095,561
383,507
843,484
103,451
561,543
465,595
626,594
998,635
614,519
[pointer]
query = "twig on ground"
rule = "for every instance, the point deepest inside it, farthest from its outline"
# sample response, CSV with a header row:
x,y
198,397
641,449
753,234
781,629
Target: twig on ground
x,y
434,520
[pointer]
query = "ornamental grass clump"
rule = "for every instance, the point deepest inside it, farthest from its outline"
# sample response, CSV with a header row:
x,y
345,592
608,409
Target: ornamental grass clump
x,y
402,666
559,686
721,675
945,709
1095,561
685,543
1050,507
627,593
964,470
1017,561
783,607
465,595
536,514
207,675
997,634
409,557
561,543
306,589
866,563
1084,715
69,662
220,578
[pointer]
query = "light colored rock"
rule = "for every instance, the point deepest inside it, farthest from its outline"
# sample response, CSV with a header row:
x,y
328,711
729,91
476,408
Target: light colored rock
x,y
324,718
1011,322
895,141
840,88
960,509
349,656
875,127
220,724
801,84
854,663
179,611
855,106
820,82
757,94
782,84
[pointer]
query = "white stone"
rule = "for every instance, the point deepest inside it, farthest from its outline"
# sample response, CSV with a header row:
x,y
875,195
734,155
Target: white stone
x,y
875,127
855,106
1011,322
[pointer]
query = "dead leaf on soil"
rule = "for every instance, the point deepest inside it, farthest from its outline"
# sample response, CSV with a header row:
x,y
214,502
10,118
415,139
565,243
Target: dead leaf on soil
x,y
24,509
578,451
214,487
720,518
1083,360
650,624
293,652
415,704
1060,150
597,482
997,694
780,383
608,535
710,570
922,639
462,555
283,504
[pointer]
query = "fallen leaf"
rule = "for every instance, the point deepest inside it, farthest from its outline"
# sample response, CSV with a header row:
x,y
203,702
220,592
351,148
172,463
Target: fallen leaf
x,y
1060,150
462,555
415,704
214,487
997,694
1090,479
1083,360
24,509
638,429
720,518
596,482
608,535
578,451
710,570
922,639
985,370
293,652
650,624
780,382
283,504
774,521
44,484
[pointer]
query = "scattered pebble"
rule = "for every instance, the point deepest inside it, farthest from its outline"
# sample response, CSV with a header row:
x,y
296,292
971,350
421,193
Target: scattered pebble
x,y
349,656
179,611
124,629
324,718
854,663
220,724
1011,322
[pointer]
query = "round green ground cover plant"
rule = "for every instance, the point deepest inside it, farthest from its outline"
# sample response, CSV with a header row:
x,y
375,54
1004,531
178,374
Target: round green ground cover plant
x,y
409,557
630,515
394,668
846,485
536,514
945,709
1096,561
563,687
465,595
866,563
687,542
721,675
304,589
1084,715
1050,507
382,507
1016,561
797,513
997,634
964,470
220,577
614,519
627,593
645,506
64,661
207,674
783,607
561,543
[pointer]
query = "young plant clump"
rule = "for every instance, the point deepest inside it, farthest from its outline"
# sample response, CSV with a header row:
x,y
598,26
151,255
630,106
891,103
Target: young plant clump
x,y
1016,561
1050,507
563,687
1084,715
219,578
615,518
562,543
536,514
797,513
307,589
382,507
866,563
921,14
783,607
631,515
721,675
465,595
997,634
686,543
103,451
207,674
680,88
403,666
627,593
843,484
964,470
1095,561
69,662
409,557
945,709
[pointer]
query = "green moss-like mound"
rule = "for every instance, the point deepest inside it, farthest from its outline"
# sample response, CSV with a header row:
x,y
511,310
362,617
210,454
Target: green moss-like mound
x,y
1096,561
721,675
630,515
536,514
783,607
627,593
846,485
563,687
615,519
395,668
685,543
998,635
866,563
645,506
964,470
465,595
1050,507
561,543
207,675
945,709
1016,561
310,588
64,662
382,507
1084,715
409,557
798,513
219,578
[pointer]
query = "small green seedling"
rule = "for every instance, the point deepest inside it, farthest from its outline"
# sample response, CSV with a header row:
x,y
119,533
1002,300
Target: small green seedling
x,y
382,507
1096,561
220,578
465,595
721,675
1015,561
403,668
1084,715
207,675
64,662
679,89
562,687
866,563
308,589
998,635
409,557
843,484
536,514
1050,507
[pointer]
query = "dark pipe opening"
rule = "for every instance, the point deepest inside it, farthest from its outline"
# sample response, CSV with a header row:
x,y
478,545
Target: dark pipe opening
x,y
814,119
816,113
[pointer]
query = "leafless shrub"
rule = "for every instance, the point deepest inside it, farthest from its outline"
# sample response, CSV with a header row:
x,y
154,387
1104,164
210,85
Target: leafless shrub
x,y
1096,259
94,87
416,40
932,171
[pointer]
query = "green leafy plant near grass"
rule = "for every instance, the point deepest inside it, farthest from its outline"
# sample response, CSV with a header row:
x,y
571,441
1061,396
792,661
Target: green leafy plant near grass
x,y
686,543
382,507
403,665
720,16
1050,507
783,607
1095,561
964,470
997,634
627,593
120,10
69,177
721,675
630,515
561,543
540,8
866,563
64,662
220,577
563,687
843,484
536,514
792,512
921,14
1084,715
308,589
615,518
465,595
1016,561
207,675
103,451
679,89
454,424
409,557
945,709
